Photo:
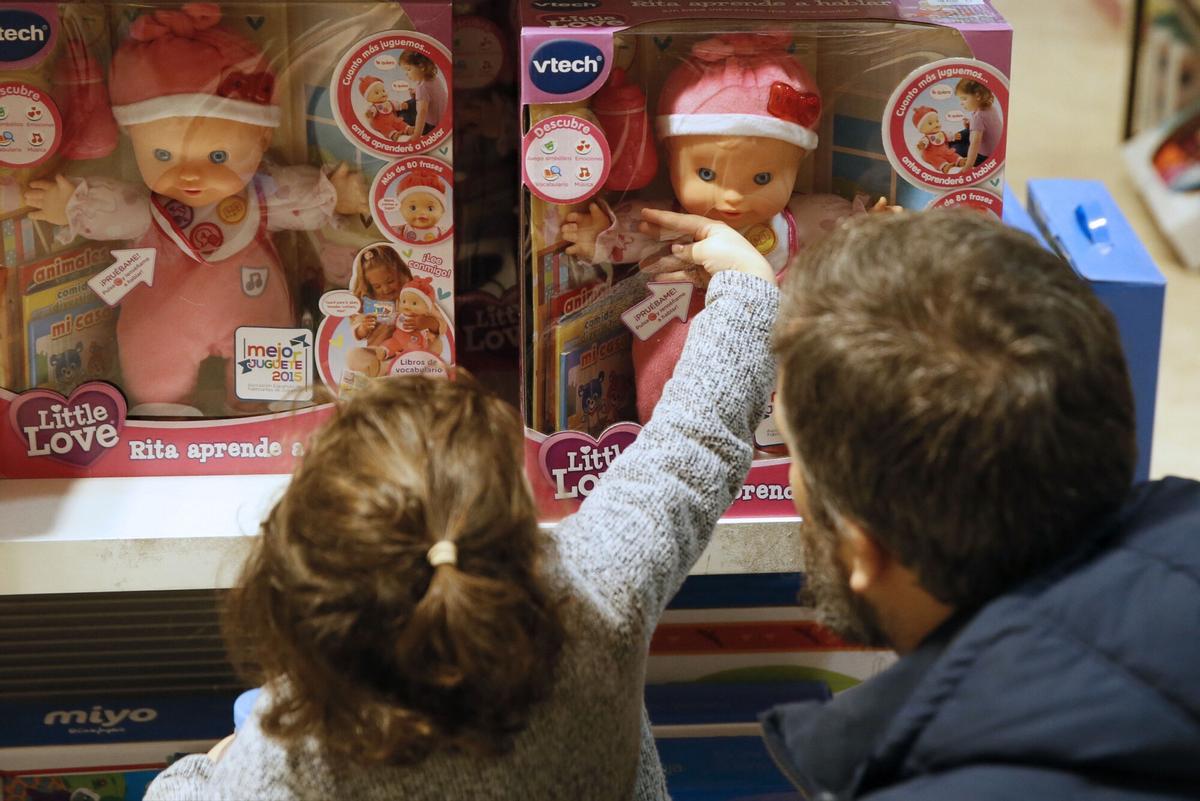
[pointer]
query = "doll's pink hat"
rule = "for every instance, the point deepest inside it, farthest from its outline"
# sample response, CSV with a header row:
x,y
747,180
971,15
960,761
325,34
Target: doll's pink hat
x,y
179,64
421,181
422,287
746,84
367,82
920,113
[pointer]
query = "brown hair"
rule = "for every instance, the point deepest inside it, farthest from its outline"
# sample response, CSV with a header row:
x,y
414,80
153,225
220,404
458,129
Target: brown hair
x,y
422,62
959,392
966,86
373,258
371,650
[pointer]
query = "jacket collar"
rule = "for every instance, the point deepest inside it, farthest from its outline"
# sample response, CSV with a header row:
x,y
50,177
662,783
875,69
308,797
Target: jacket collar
x,y
825,748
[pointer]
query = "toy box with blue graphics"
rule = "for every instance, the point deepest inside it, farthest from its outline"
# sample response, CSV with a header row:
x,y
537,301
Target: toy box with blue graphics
x,y
777,118
235,166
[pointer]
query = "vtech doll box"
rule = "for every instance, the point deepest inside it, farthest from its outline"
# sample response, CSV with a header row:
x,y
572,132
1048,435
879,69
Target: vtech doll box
x,y
208,211
779,117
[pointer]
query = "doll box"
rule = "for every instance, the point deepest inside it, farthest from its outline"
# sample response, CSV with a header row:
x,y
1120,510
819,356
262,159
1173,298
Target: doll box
x,y
887,99
186,263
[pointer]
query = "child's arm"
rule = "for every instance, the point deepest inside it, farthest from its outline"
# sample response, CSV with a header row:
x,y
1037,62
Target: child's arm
x,y
642,529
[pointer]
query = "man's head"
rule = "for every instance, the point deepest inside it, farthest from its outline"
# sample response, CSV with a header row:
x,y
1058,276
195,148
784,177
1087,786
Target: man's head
x,y
959,409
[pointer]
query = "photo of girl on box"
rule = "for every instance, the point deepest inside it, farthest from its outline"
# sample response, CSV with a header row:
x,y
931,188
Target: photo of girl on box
x,y
399,314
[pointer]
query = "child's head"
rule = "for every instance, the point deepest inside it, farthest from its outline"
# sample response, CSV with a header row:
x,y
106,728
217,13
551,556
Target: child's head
x,y
381,274
373,89
418,67
397,599
973,95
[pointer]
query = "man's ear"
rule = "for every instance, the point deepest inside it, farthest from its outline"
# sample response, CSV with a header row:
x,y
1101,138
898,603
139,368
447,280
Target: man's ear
x,y
865,559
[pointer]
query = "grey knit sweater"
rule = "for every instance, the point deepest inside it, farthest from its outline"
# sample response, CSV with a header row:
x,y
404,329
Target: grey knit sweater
x,y
620,559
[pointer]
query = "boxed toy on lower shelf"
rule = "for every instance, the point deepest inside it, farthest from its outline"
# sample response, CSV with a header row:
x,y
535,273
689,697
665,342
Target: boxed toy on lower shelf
x,y
779,119
207,211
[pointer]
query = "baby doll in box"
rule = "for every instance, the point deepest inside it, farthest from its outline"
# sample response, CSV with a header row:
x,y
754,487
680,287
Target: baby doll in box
x,y
735,120
198,104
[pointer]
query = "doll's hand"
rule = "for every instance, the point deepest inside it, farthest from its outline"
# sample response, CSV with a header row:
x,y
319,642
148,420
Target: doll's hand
x,y
49,199
581,231
351,191
371,112
715,247
883,207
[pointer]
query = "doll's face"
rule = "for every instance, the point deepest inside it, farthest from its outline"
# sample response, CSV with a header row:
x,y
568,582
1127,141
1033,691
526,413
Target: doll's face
x,y
968,101
198,160
410,303
929,124
422,210
740,180
384,283
376,93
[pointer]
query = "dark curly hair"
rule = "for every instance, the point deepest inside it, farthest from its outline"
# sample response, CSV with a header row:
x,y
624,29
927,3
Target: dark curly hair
x,y
368,648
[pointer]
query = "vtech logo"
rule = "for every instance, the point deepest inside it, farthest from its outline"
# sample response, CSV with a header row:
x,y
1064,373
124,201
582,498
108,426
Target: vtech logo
x,y
564,66
23,35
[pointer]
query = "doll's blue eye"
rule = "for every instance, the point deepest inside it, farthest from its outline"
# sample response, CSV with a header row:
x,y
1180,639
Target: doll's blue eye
x,y
762,178
162,155
706,174
218,157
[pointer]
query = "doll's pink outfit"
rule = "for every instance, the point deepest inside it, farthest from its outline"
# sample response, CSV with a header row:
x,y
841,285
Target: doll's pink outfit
x,y
215,267
384,120
215,270
734,85
401,341
935,148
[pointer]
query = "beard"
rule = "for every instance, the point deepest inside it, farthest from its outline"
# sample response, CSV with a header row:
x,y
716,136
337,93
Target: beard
x,y
827,588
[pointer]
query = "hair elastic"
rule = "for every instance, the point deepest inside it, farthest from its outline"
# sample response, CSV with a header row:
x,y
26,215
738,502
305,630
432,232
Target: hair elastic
x,y
443,552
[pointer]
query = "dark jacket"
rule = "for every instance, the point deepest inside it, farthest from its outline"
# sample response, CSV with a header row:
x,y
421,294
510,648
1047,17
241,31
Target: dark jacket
x,y
1083,683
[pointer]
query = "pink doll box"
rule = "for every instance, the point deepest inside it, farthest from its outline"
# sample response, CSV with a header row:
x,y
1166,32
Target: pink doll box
x,y
270,186
778,116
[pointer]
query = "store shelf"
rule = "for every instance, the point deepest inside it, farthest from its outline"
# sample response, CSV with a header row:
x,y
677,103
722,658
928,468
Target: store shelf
x,y
125,534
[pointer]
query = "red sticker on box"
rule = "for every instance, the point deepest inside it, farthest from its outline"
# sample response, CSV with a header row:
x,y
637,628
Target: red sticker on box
x,y
385,85
933,116
973,198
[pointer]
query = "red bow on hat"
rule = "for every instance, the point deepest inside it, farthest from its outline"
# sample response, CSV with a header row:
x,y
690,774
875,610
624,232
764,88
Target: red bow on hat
x,y
256,87
789,103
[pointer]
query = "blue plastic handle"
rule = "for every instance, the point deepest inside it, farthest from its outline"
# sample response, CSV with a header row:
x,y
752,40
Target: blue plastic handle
x,y
1094,222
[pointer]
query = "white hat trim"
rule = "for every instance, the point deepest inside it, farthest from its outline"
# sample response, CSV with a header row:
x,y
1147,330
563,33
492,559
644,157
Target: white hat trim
x,y
735,125
198,105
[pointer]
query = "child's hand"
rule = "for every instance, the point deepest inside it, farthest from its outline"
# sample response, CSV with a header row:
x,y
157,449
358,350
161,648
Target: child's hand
x,y
715,247
404,106
883,207
582,231
218,750
49,199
